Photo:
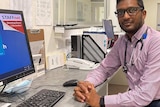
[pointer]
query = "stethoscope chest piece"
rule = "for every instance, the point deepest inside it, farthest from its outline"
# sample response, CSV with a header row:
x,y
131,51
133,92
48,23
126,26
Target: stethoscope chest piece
x,y
125,69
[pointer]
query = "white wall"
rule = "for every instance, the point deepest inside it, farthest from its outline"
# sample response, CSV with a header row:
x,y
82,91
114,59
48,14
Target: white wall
x,y
4,4
112,16
151,7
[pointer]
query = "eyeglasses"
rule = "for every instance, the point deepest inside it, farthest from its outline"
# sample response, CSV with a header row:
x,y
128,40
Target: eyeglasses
x,y
131,11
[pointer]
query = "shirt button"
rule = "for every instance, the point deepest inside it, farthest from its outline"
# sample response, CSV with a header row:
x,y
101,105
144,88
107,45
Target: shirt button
x,y
132,46
135,86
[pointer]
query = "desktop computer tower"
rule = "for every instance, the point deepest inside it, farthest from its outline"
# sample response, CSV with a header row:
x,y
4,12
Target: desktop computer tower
x,y
76,46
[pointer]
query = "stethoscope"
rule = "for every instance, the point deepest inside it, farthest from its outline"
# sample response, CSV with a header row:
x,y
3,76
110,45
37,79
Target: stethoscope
x,y
144,36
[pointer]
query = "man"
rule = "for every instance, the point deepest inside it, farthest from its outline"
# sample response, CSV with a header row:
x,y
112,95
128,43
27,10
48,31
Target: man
x,y
138,52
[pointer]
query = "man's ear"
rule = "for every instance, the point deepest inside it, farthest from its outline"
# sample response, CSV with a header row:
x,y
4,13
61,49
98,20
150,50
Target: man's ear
x,y
144,12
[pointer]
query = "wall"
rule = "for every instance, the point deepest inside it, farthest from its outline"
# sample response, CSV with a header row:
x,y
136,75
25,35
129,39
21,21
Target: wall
x,y
112,8
48,30
151,7
4,4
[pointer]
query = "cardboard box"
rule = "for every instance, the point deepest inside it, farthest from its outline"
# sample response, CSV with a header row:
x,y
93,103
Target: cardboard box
x,y
36,40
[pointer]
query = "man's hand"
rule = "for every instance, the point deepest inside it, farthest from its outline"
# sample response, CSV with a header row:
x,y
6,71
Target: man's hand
x,y
85,92
92,98
82,88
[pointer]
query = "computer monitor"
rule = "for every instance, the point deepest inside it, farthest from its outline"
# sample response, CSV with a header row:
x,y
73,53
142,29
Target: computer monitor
x,y
15,55
108,27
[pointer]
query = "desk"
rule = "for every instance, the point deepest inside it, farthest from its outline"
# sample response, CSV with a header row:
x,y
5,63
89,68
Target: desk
x,y
54,79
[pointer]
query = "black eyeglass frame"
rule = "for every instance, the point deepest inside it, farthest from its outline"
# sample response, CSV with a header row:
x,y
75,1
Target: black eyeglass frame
x,y
131,11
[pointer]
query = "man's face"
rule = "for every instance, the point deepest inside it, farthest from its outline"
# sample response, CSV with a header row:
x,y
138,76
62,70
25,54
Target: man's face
x,y
131,19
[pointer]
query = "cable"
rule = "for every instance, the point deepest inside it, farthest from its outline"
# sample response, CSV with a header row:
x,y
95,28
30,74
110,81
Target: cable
x,y
3,89
69,55
109,44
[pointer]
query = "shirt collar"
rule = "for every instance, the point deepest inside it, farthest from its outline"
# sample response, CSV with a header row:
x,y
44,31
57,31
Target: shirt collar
x,y
140,32
137,36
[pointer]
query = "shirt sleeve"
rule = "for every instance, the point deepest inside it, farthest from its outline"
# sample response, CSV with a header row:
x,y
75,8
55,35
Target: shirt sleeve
x,y
107,67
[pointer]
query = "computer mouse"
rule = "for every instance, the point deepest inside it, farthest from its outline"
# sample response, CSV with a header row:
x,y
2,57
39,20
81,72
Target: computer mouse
x,y
70,83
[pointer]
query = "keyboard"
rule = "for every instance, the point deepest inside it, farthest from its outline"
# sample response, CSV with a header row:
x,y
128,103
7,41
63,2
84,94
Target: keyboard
x,y
44,98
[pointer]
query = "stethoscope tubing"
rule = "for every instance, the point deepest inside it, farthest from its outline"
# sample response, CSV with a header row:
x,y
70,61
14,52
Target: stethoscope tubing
x,y
131,61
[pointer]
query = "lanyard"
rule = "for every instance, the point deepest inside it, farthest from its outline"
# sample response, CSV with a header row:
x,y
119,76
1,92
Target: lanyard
x,y
144,36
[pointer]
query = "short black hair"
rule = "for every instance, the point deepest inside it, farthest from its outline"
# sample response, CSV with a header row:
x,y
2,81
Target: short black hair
x,y
140,3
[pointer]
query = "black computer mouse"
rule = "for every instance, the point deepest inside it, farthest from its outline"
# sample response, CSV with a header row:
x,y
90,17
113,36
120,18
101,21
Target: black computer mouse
x,y
70,83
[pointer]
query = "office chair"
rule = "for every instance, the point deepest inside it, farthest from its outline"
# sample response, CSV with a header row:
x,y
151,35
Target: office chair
x,y
155,103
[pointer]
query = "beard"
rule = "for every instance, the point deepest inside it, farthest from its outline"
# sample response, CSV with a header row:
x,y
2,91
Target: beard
x,y
133,28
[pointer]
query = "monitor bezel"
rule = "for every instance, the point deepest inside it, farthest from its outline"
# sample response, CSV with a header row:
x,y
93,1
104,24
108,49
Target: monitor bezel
x,y
18,75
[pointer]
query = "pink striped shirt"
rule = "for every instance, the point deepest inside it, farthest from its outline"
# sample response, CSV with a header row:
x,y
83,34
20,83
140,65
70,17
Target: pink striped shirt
x,y
143,75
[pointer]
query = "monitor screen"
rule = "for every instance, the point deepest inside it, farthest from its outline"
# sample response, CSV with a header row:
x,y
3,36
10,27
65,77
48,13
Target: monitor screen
x,y
15,55
108,27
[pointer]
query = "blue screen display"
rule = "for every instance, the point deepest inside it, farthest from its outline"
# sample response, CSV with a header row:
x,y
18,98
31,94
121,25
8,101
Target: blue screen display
x,y
15,56
1,46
